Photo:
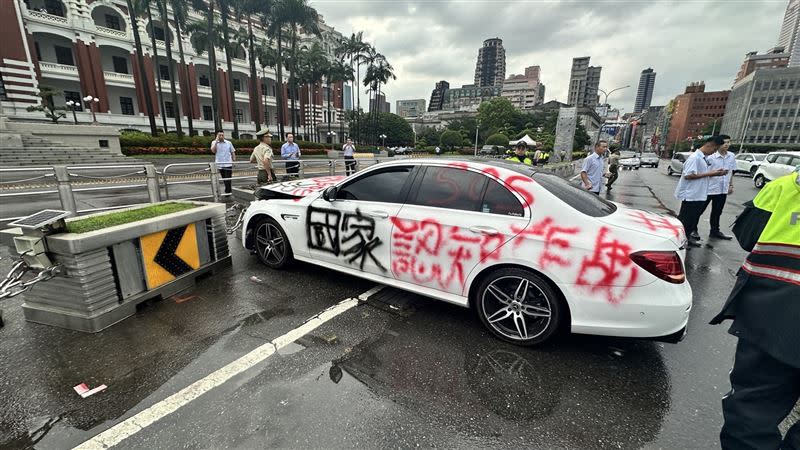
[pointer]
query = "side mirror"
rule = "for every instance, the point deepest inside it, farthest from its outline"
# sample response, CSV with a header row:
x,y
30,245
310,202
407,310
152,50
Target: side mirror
x,y
329,194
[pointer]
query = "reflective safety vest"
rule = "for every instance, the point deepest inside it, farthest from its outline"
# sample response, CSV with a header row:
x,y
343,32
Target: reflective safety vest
x,y
517,160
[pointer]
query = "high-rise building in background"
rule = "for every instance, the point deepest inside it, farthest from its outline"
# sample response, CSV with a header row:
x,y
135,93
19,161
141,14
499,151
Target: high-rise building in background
x,y
584,81
469,97
410,108
383,105
774,58
789,37
647,82
348,97
490,69
523,90
437,96
693,110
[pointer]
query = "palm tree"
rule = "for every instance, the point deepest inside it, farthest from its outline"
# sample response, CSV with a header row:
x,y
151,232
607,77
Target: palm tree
x,y
145,4
354,48
179,15
267,57
313,66
365,55
205,37
162,9
250,8
137,40
337,72
378,73
224,11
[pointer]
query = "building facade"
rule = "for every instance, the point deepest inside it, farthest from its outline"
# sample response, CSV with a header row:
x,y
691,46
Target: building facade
x,y
764,108
86,48
383,105
644,95
490,69
437,96
789,37
523,90
410,108
469,96
693,110
584,81
772,59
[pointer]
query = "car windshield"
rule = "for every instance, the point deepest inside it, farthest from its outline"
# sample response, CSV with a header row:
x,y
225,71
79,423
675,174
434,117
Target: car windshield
x,y
649,155
759,157
627,154
580,199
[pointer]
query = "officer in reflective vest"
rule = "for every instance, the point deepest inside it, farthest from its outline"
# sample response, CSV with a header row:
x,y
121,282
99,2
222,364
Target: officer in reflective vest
x,y
765,308
519,154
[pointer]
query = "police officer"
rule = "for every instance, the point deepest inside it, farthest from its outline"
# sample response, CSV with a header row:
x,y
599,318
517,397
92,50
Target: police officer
x,y
519,154
765,308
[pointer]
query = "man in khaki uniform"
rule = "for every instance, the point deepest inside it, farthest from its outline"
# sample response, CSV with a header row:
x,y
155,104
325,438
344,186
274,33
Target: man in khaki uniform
x,y
262,156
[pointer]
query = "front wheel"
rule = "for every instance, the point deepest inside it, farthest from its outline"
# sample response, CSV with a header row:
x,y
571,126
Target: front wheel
x,y
272,245
753,171
759,181
669,171
518,306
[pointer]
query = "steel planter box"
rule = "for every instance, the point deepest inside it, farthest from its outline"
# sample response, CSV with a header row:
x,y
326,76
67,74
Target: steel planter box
x,y
107,272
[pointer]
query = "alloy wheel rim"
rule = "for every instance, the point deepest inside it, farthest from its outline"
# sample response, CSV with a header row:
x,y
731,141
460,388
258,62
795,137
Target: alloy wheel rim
x,y
270,243
516,308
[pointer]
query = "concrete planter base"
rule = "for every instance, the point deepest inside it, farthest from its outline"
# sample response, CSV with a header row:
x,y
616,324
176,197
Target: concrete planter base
x,y
106,273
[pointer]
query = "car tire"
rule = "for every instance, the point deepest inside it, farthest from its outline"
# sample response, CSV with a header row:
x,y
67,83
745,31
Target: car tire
x,y
669,171
271,244
759,181
753,171
518,306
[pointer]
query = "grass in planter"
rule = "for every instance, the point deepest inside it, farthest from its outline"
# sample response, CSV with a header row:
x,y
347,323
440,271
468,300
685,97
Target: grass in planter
x,y
122,217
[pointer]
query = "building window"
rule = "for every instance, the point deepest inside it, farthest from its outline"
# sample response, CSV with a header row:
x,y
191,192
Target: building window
x,y
757,114
38,52
239,115
783,113
204,80
207,113
757,86
75,97
169,110
774,113
237,85
771,99
158,32
163,71
782,84
126,104
791,84
120,64
64,55
112,22
54,7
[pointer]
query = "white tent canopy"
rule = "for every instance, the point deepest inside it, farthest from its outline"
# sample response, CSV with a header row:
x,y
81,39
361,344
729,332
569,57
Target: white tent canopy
x,y
526,139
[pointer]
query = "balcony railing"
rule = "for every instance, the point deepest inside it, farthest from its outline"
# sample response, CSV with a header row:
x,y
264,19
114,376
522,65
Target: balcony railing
x,y
121,77
52,67
45,17
203,89
112,32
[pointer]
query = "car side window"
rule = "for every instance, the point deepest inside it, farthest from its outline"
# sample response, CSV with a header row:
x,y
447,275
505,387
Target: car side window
x,y
384,185
771,158
749,159
783,159
499,200
451,188
680,158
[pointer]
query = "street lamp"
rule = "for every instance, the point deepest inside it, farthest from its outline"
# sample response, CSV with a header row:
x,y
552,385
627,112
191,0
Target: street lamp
x,y
477,126
605,102
383,138
72,105
415,136
91,101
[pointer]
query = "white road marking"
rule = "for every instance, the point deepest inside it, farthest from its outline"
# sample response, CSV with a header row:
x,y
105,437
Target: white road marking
x,y
366,295
147,417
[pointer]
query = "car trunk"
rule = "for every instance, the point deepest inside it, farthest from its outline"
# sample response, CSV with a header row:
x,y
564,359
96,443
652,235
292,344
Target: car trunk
x,y
647,222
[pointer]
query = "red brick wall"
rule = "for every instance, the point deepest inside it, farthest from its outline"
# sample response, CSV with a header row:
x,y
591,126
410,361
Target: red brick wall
x,y
693,112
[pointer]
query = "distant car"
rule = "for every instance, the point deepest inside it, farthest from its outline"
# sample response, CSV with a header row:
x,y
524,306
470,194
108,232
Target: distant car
x,y
650,159
629,161
491,150
749,162
676,163
400,150
775,165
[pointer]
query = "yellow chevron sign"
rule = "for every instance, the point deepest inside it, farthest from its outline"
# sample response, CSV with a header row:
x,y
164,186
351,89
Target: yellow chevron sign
x,y
169,254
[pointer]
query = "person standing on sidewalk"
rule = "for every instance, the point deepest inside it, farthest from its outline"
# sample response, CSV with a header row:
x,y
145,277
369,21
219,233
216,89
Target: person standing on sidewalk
x,y
692,189
224,156
262,156
592,170
291,152
349,150
720,187
613,168
519,154
765,307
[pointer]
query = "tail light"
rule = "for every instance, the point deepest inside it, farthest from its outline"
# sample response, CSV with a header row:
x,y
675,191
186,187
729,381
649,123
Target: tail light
x,y
663,264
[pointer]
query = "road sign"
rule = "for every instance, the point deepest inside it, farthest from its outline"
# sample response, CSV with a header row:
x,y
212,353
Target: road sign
x,y
169,254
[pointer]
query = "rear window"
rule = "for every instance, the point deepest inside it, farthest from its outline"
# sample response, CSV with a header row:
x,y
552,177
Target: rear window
x,y
583,201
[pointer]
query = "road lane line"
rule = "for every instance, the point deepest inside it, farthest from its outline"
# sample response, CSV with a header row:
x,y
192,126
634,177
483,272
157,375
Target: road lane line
x,y
147,417
366,295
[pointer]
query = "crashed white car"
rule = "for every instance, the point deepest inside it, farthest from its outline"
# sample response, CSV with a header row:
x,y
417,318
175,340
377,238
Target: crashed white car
x,y
528,252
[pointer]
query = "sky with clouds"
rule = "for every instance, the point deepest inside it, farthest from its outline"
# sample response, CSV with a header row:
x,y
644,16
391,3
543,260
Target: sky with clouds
x,y
682,40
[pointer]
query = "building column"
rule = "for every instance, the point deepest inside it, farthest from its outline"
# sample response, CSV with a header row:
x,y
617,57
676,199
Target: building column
x,y
225,108
192,82
90,73
141,85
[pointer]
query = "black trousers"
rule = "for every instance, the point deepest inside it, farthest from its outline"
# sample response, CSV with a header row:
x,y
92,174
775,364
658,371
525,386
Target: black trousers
x,y
763,392
717,203
614,175
690,213
226,172
293,167
349,165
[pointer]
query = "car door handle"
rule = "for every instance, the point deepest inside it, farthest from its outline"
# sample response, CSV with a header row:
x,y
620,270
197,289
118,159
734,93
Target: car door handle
x,y
483,230
378,214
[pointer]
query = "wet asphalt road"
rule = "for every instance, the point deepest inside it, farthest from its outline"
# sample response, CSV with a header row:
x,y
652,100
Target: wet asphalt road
x,y
398,371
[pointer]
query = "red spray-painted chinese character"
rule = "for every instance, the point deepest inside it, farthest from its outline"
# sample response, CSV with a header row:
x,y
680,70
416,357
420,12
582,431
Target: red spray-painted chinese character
x,y
553,238
655,223
609,270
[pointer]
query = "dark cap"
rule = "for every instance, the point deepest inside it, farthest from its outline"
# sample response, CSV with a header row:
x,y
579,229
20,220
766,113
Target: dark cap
x,y
521,144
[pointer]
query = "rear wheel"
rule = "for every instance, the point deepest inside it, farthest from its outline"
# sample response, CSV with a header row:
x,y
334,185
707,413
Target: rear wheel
x,y
759,181
669,171
272,245
518,306
753,171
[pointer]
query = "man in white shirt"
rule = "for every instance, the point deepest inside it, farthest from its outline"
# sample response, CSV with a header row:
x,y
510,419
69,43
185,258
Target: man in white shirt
x,y
720,187
592,172
692,188
224,156
348,151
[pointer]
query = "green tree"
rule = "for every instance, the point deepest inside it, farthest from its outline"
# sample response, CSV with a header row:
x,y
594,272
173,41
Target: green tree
x,y
396,129
179,15
379,72
450,139
137,42
581,138
51,111
249,8
162,10
495,114
144,6
497,139
206,37
428,136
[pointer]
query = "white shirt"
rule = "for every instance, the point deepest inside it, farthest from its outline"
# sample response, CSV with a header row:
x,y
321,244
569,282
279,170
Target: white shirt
x,y
593,166
693,190
720,185
224,155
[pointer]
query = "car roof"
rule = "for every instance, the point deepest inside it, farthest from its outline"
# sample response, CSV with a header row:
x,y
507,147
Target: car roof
x,y
784,152
501,163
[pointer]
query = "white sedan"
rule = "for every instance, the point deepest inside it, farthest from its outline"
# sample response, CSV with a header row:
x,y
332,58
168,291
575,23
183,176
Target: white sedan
x,y
528,252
